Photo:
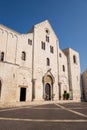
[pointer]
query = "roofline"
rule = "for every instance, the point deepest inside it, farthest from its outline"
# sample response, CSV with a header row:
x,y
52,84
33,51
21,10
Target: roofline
x,y
9,29
85,71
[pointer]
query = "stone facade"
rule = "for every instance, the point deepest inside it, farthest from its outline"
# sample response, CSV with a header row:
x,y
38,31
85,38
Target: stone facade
x,y
34,68
84,84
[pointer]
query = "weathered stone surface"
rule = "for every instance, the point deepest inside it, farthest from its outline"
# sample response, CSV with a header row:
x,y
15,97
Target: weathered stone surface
x,y
28,77
84,84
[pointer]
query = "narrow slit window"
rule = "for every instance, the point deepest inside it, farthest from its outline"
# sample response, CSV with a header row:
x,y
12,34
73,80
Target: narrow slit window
x,y
74,59
2,56
63,68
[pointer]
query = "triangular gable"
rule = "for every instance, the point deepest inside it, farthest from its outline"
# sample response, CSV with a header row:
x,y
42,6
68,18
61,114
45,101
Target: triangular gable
x,y
45,23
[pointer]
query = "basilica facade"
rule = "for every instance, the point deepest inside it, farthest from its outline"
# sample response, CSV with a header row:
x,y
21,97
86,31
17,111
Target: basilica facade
x,y
34,68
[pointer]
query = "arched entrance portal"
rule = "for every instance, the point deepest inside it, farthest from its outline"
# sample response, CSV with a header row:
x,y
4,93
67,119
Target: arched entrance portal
x,y
48,92
48,81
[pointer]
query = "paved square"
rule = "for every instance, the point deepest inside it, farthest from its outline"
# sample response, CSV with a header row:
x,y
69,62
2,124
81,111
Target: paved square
x,y
69,116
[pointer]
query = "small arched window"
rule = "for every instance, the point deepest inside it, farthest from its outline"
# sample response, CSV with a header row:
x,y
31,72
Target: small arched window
x,y
48,62
47,31
74,59
63,68
2,56
51,49
23,55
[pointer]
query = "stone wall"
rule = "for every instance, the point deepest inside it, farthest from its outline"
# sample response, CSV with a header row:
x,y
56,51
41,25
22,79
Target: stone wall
x,y
74,73
27,64
84,83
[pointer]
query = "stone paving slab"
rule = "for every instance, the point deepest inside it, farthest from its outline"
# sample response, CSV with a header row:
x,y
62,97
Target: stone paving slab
x,y
31,118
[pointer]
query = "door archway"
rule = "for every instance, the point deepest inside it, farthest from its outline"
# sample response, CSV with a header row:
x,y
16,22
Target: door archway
x,y
47,91
48,87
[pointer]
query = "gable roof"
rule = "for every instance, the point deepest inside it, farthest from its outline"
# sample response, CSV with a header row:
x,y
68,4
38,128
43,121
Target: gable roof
x,y
46,22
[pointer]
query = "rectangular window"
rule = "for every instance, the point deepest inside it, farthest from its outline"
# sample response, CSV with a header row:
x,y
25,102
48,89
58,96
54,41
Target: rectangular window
x,y
60,55
74,59
29,42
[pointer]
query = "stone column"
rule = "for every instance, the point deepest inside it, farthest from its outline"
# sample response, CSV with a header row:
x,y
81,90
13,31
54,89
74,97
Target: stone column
x,y
52,92
33,89
44,91
60,91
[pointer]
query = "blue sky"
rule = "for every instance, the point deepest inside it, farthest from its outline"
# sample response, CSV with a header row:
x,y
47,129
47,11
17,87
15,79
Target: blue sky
x,y
67,17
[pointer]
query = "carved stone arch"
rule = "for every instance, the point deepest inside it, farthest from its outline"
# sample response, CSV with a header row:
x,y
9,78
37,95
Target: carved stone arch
x,y
6,32
16,37
48,79
48,76
11,35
